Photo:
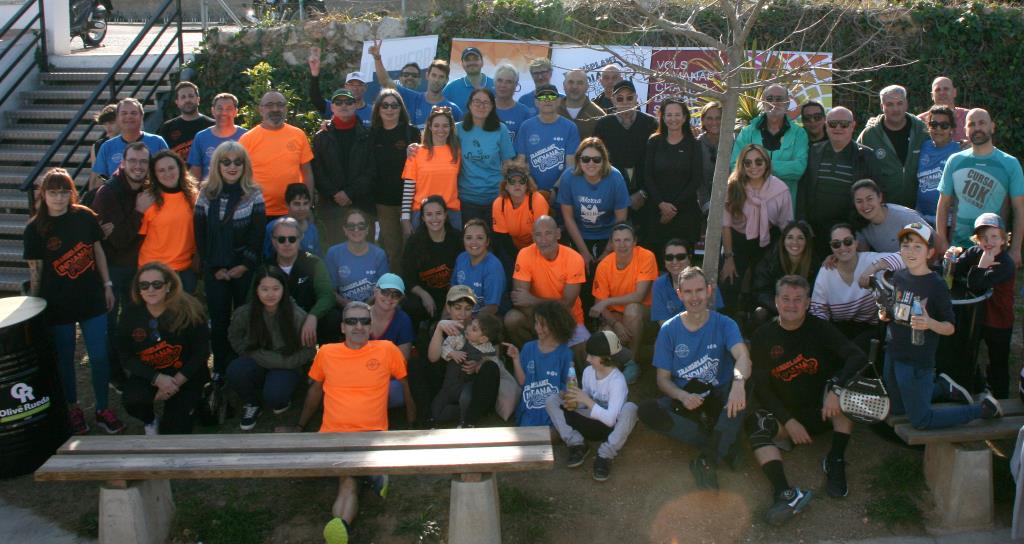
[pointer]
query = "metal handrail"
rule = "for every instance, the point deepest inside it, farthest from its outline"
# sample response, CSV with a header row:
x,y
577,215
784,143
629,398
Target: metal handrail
x,y
110,83
38,41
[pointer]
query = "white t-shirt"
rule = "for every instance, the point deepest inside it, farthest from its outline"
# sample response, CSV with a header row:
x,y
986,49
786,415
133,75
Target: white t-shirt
x,y
609,394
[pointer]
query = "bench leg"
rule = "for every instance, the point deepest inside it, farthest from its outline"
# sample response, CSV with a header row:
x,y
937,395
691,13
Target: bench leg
x,y
960,479
136,512
474,516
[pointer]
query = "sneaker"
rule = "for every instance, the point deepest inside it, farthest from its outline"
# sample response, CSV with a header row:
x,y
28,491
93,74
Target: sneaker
x,y
152,429
76,421
577,454
990,407
704,473
335,532
117,384
602,468
250,413
380,485
283,409
954,391
107,420
788,504
835,475
631,371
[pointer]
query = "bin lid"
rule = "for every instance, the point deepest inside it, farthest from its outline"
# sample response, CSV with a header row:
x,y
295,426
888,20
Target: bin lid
x,y
14,310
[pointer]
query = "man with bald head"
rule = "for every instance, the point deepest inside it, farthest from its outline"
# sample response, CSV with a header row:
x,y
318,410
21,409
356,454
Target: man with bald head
x,y
944,94
786,142
833,166
610,75
896,137
983,179
577,106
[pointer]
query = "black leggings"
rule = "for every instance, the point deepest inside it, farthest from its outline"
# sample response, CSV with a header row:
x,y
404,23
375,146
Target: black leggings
x,y
467,397
179,410
746,255
998,343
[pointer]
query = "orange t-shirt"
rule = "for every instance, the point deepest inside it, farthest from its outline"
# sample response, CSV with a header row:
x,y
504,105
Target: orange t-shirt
x,y
609,281
434,176
518,222
356,384
549,278
277,157
169,236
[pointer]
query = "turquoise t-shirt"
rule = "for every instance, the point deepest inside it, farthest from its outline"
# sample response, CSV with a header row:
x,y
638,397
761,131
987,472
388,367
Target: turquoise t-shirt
x,y
981,184
482,155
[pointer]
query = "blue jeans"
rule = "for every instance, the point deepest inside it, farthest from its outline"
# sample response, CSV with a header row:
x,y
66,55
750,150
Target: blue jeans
x,y
94,330
454,219
687,430
912,391
222,298
246,377
121,277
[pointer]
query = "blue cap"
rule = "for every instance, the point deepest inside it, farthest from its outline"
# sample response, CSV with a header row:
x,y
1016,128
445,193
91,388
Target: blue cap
x,y
391,281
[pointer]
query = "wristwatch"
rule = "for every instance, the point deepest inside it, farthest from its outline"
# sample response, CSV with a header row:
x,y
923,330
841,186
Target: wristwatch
x,y
727,255
108,284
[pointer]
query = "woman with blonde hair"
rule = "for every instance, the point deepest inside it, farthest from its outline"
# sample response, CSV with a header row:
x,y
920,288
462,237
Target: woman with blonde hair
x,y
229,221
518,205
164,342
166,204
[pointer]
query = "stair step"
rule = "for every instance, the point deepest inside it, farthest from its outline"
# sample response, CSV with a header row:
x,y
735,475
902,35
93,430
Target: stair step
x,y
58,112
11,279
32,153
11,178
72,76
13,199
47,133
11,250
81,94
13,224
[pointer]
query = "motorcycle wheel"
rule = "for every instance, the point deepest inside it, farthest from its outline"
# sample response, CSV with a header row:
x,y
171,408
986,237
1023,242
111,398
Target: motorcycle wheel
x,y
93,37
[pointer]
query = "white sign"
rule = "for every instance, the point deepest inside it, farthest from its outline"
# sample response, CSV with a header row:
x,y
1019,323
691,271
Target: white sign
x,y
397,52
567,57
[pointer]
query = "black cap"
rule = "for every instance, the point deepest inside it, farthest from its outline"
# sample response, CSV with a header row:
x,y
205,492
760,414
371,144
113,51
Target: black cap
x,y
471,51
607,344
546,90
624,84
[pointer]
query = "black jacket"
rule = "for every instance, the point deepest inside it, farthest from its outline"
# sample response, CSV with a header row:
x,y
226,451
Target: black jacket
x,y
768,271
807,207
331,174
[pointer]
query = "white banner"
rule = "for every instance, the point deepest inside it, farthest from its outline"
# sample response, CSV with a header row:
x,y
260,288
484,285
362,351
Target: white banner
x,y
514,52
397,52
567,57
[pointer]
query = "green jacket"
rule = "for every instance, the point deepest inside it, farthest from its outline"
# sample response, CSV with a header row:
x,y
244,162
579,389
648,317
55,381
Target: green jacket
x,y
898,181
788,162
238,336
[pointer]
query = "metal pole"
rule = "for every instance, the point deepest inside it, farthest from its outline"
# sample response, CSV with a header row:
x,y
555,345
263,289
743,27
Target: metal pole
x,y
302,11
181,43
44,61
204,15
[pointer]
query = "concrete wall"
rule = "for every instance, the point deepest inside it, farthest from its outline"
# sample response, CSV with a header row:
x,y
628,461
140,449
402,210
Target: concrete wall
x,y
139,10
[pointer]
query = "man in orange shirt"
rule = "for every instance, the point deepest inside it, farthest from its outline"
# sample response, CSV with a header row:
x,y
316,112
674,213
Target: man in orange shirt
x,y
622,291
280,154
546,270
351,379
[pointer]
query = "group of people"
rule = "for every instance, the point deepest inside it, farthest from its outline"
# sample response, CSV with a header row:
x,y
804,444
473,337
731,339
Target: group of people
x,y
469,254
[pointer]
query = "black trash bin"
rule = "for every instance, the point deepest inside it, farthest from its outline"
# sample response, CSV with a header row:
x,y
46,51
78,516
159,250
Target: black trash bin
x,y
957,355
33,414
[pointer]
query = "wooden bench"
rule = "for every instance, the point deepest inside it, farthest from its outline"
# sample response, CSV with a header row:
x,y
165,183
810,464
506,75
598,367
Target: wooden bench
x,y
136,506
958,465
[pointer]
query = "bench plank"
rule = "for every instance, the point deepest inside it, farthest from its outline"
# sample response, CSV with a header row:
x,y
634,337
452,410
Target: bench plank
x,y
296,464
1011,407
1005,427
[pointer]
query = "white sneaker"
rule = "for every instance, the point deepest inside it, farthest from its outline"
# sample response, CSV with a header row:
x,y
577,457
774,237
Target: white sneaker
x,y
152,429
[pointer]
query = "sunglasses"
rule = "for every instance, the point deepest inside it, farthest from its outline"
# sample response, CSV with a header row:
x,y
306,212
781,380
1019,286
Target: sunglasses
x,y
547,98
586,159
517,180
839,123
353,321
848,241
814,117
776,98
343,102
355,226
748,163
390,106
229,162
940,125
155,284
393,294
677,257
287,239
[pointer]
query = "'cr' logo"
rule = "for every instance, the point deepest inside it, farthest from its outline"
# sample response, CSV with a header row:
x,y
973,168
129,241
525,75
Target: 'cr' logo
x,y
22,392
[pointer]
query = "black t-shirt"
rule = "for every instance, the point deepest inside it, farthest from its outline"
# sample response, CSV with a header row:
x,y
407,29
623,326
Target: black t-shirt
x,y
70,283
932,290
430,264
178,133
791,367
673,173
627,147
389,152
149,346
900,140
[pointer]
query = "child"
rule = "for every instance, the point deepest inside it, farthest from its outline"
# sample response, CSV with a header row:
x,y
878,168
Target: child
x,y
300,204
909,367
547,361
602,412
987,266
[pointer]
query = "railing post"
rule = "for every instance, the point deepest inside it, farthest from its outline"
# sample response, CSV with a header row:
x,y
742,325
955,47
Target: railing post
x,y
181,44
44,60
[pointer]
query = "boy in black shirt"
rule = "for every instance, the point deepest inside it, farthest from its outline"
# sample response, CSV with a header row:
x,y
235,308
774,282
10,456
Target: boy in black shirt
x,y
922,303
797,359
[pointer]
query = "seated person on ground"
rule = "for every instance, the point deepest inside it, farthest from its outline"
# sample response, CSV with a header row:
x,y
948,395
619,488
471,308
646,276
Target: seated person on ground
x,y
665,302
471,378
355,265
480,269
793,254
542,366
391,323
300,208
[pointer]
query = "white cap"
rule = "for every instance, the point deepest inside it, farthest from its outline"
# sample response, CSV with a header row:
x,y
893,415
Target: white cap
x,y
355,76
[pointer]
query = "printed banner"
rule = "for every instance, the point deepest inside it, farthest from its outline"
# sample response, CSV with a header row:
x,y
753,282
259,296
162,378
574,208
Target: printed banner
x,y
397,52
567,57
516,53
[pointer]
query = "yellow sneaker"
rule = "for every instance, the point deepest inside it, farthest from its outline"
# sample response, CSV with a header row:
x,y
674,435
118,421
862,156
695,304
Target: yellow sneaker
x,y
335,532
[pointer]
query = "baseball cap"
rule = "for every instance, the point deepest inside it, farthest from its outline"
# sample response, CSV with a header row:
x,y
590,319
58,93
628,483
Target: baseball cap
x,y
460,292
920,229
988,219
624,84
343,92
357,76
546,90
471,51
607,344
391,281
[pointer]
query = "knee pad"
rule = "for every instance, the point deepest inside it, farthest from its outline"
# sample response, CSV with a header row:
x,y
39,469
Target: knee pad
x,y
761,429
654,416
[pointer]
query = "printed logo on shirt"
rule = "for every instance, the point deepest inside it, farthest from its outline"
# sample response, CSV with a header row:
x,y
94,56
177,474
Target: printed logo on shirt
x,y
550,157
536,394
162,355
793,368
139,334
344,271
437,277
682,351
534,139
776,351
53,243
704,369
75,262
372,364
461,277
293,147
590,214
880,153
977,186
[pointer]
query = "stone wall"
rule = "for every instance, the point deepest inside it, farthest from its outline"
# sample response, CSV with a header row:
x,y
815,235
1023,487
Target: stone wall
x,y
139,10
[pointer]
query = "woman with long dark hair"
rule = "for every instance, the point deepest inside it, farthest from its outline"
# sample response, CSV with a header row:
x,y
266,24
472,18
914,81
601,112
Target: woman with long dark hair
x,y
479,269
673,172
163,340
265,334
169,200
486,144
69,270
792,255
433,170
429,260
391,132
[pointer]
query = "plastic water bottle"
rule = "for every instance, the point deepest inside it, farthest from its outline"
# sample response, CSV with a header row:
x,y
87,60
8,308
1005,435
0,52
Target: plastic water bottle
x,y
917,335
571,383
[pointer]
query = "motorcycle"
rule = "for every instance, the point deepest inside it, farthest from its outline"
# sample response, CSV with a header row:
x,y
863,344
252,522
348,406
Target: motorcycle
x,y
89,20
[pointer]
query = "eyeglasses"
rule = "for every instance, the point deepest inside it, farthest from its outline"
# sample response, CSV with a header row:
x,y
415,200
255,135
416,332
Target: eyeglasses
x,y
814,117
287,239
57,193
353,321
848,241
547,98
355,226
776,98
480,103
410,74
677,257
586,159
748,162
343,102
229,162
940,125
516,180
137,162
393,294
390,106
540,73
839,123
155,284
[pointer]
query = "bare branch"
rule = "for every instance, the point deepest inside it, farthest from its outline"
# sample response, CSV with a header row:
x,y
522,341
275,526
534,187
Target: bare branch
x,y
686,29
748,26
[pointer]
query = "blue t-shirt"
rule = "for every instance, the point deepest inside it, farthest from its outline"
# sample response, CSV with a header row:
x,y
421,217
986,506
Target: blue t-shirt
x,y
665,301
702,355
458,90
487,279
594,204
352,276
310,239
545,146
482,155
981,184
929,174
399,331
108,158
419,109
546,375
205,143
514,117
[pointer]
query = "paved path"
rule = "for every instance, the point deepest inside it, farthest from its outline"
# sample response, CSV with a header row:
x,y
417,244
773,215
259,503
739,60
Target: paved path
x,y
21,525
